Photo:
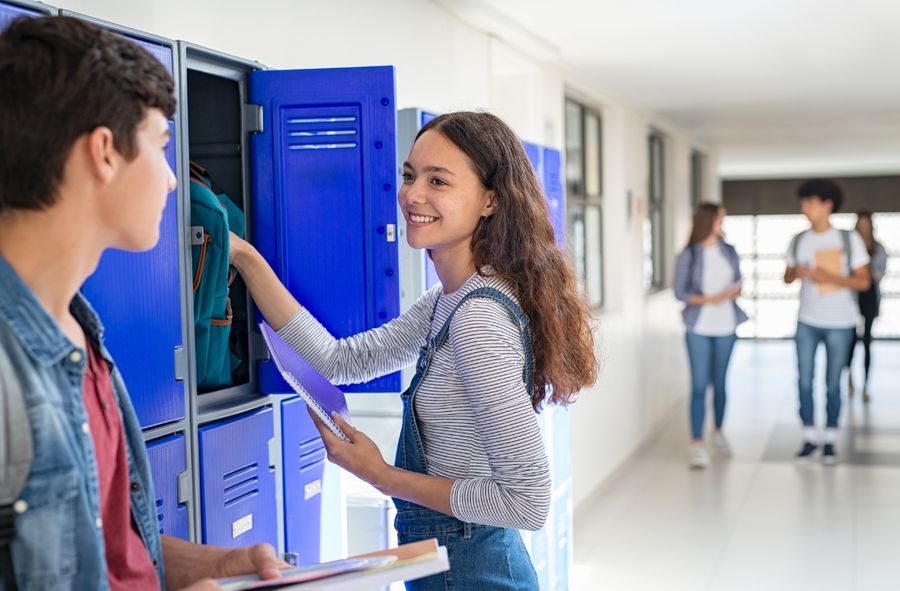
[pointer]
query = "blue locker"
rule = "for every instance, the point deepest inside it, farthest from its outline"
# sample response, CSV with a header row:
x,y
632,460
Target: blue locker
x,y
166,463
562,446
553,188
562,523
237,484
303,462
426,117
539,549
324,196
534,151
10,11
138,298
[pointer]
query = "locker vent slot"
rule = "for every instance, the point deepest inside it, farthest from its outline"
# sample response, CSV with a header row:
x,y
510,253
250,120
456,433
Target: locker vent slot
x,y
231,488
248,469
310,464
310,459
241,484
321,132
321,146
243,497
350,119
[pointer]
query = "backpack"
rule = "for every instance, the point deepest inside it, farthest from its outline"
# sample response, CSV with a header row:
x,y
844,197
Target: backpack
x,y
213,216
15,462
845,237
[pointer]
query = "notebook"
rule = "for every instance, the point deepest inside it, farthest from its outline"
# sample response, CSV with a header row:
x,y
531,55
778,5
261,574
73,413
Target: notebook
x,y
320,395
829,260
303,574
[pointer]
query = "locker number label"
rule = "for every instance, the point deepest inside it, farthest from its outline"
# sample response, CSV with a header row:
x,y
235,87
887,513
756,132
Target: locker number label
x,y
242,526
312,489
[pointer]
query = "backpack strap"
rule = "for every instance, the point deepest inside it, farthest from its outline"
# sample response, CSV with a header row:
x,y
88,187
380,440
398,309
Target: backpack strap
x,y
845,236
16,453
795,241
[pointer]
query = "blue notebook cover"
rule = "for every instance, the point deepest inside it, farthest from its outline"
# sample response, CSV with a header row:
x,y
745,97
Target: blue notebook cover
x,y
320,395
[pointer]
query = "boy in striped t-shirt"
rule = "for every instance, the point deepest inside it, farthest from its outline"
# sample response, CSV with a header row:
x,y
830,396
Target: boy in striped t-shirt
x,y
832,264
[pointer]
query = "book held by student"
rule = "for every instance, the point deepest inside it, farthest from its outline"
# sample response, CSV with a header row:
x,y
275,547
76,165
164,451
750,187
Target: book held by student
x,y
320,395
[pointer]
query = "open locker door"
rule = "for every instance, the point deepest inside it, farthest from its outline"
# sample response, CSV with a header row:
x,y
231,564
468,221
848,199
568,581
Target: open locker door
x,y
324,198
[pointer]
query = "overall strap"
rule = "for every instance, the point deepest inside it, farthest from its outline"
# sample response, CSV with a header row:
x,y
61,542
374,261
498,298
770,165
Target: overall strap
x,y
515,312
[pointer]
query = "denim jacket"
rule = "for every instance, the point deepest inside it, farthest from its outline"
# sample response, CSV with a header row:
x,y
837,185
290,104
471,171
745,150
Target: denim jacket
x,y
59,539
689,280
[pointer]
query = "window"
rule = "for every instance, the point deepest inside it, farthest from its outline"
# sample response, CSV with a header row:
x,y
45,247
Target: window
x,y
655,220
584,198
762,241
698,168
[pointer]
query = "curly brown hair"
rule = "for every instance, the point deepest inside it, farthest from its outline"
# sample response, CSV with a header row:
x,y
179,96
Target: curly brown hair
x,y
517,243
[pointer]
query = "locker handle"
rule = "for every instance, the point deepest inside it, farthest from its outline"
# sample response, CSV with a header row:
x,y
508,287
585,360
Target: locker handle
x,y
273,454
184,487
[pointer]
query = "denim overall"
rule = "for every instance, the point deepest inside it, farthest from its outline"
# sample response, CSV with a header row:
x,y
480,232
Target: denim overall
x,y
482,557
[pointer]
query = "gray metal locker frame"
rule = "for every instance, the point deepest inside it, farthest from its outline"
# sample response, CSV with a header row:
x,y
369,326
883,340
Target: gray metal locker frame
x,y
221,404
34,5
185,488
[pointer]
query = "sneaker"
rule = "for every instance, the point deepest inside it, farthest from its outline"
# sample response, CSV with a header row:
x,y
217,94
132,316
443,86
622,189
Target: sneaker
x,y
866,397
829,457
722,444
805,454
699,457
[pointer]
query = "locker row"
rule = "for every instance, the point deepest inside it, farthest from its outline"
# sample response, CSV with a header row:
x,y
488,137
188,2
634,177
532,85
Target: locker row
x,y
261,475
306,162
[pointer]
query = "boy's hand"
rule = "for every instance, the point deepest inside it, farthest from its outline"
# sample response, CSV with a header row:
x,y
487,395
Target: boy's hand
x,y
259,559
818,275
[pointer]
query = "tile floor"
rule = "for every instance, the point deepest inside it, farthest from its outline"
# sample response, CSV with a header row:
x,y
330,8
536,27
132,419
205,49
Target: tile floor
x,y
755,521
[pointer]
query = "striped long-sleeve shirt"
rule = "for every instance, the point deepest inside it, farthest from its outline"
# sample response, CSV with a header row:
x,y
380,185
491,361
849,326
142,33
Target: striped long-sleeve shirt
x,y
475,415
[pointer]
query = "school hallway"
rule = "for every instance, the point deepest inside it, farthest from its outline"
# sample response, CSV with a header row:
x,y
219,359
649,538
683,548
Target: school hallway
x,y
756,520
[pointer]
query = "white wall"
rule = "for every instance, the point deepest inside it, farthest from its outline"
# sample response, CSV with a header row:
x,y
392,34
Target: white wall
x,y
442,64
445,64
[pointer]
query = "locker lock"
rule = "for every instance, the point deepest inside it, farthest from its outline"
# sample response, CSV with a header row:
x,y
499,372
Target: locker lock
x,y
391,233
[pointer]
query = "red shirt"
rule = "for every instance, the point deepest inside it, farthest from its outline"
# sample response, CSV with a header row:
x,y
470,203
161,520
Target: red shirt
x,y
128,562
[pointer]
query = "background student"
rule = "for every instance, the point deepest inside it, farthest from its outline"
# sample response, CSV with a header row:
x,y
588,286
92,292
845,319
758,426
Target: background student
x,y
708,281
83,132
505,326
832,265
869,300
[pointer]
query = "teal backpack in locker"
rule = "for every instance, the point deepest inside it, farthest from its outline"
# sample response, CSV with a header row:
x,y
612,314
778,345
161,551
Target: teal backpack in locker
x,y
213,215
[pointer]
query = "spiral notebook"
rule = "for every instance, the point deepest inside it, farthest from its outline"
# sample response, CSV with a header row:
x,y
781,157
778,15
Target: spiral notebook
x,y
320,395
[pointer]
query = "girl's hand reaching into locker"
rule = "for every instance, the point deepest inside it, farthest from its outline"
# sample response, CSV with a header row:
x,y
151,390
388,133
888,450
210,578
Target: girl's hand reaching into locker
x,y
239,250
359,456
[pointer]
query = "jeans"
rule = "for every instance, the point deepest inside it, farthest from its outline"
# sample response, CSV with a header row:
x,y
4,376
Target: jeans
x,y
837,349
709,357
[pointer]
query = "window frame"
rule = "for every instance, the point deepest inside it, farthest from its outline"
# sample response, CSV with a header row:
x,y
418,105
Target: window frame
x,y
698,169
579,200
656,210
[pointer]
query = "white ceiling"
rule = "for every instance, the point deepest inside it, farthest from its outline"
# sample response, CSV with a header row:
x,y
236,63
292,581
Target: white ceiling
x,y
781,87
